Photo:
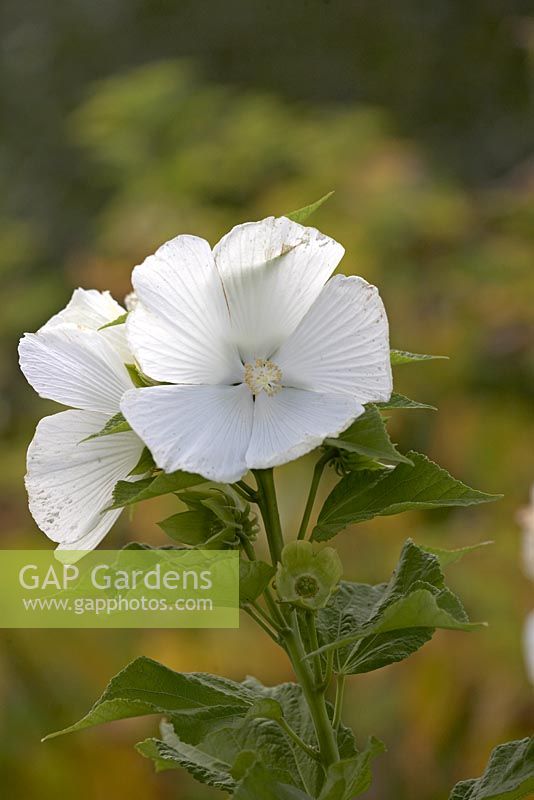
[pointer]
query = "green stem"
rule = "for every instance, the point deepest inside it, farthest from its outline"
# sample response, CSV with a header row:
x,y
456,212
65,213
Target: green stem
x,y
275,610
329,670
292,639
248,548
338,709
296,738
269,511
317,474
316,701
246,491
314,644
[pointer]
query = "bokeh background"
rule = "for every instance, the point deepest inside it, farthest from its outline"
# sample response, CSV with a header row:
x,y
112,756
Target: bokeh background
x,y
126,122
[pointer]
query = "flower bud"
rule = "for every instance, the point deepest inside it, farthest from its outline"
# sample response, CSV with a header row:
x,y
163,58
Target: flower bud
x,y
226,518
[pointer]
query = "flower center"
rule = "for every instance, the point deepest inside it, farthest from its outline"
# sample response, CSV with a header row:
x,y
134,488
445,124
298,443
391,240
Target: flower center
x,y
306,586
263,375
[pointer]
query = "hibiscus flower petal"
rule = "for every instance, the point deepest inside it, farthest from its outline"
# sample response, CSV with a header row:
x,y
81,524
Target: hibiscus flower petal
x,y
91,538
293,422
74,367
200,429
180,329
70,481
342,344
272,272
89,308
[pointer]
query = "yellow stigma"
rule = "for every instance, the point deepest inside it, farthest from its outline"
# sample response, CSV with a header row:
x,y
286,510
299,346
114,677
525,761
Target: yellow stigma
x,y
264,376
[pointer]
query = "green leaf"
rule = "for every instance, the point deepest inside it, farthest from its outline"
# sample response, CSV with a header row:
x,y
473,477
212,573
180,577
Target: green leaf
x,y
351,777
404,357
366,629
286,762
363,495
146,687
302,214
266,708
254,577
145,464
259,784
171,753
188,527
509,775
126,493
400,401
368,436
117,321
447,557
350,610
117,424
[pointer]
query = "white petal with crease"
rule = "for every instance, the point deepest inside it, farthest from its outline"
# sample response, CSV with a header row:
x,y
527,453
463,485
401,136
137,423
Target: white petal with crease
x,y
200,429
89,308
70,481
70,552
293,422
74,367
342,344
272,272
180,329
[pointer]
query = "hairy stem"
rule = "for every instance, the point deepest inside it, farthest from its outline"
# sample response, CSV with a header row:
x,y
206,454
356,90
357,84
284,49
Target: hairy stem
x,y
317,474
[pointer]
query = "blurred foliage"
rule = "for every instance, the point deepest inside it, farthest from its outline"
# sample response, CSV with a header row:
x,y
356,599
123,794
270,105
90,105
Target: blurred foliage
x,y
100,175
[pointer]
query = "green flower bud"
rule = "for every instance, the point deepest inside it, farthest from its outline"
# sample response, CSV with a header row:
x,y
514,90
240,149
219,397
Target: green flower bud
x,y
306,577
222,518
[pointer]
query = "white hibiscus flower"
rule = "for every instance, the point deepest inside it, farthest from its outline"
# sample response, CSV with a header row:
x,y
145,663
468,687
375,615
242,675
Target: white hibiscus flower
x,y
70,481
266,358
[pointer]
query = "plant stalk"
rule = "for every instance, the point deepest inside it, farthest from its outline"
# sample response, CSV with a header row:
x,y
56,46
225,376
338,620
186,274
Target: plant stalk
x,y
338,708
317,474
291,637
315,699
269,511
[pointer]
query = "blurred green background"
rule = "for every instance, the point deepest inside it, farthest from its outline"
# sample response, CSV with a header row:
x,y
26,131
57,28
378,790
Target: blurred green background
x,y
126,122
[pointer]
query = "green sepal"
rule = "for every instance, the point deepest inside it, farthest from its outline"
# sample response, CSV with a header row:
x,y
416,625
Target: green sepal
x,y
117,321
145,464
126,493
368,437
302,214
116,424
400,401
404,357
138,378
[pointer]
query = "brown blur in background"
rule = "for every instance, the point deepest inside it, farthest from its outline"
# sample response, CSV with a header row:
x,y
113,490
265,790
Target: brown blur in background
x,y
126,122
